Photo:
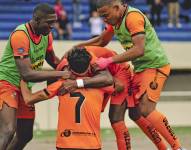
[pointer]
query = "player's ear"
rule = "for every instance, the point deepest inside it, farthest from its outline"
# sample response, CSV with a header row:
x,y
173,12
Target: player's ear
x,y
36,19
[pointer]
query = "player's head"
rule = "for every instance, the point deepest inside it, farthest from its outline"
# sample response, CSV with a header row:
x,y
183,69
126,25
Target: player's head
x,y
44,17
79,61
110,10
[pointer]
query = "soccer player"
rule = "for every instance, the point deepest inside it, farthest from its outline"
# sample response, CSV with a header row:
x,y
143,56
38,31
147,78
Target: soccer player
x,y
151,66
122,75
28,45
79,111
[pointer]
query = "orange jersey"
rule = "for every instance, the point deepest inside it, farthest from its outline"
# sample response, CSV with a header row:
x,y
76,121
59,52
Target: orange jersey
x,y
79,117
19,39
104,52
121,72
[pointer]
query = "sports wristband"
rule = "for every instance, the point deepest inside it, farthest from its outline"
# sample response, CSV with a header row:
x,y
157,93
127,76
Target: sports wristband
x,y
80,83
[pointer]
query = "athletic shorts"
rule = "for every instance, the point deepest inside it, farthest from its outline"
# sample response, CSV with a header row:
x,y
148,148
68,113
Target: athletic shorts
x,y
124,76
150,82
11,95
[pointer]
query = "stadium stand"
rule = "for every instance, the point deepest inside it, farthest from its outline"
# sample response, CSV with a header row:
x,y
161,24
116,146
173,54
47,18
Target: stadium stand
x,y
15,12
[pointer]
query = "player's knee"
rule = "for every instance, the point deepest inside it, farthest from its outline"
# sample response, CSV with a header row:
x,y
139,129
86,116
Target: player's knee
x,y
134,114
115,118
144,112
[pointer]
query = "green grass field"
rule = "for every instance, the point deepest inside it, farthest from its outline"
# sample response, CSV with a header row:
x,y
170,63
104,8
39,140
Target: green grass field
x,y
107,133
46,139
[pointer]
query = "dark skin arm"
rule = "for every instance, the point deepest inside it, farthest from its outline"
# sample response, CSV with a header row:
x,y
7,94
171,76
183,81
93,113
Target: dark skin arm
x,y
31,98
28,74
136,51
52,59
101,79
102,40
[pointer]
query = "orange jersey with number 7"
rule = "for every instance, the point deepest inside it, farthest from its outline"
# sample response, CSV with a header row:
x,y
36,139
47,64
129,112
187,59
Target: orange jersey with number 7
x,y
79,116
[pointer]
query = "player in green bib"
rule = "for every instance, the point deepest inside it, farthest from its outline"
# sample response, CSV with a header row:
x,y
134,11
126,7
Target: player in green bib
x,y
27,48
151,66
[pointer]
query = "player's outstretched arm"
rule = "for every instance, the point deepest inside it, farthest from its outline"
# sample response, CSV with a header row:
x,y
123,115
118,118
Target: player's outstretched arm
x,y
29,97
30,75
102,40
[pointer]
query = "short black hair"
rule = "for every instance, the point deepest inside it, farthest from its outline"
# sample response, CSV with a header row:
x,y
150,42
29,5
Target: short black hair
x,y
101,3
43,9
79,59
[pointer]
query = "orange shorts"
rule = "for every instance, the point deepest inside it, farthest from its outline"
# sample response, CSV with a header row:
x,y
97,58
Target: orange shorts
x,y
149,81
25,111
11,95
123,76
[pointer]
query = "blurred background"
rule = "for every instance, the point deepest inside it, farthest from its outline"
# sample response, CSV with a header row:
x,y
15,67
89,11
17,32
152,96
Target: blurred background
x,y
78,20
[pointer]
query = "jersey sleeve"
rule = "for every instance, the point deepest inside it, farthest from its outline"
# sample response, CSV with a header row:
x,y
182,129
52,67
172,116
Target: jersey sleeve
x,y
50,41
20,43
53,88
135,23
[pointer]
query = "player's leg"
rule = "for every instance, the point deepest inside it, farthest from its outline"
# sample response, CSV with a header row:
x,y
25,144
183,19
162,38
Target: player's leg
x,y
147,128
159,121
116,116
25,122
24,134
7,124
154,80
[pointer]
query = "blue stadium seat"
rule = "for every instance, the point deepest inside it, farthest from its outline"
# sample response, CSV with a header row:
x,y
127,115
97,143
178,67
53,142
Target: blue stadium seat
x,y
15,12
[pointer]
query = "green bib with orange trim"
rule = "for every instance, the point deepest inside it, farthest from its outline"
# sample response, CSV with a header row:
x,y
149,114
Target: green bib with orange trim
x,y
37,53
154,54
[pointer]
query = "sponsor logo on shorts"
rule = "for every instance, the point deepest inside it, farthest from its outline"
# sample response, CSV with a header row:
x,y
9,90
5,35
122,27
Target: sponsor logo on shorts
x,y
21,50
70,132
153,85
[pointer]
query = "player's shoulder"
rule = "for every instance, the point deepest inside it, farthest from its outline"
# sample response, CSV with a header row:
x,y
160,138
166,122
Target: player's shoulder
x,y
19,35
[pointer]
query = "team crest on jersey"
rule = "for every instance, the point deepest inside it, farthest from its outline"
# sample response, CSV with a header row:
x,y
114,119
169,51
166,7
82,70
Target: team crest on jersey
x,y
21,50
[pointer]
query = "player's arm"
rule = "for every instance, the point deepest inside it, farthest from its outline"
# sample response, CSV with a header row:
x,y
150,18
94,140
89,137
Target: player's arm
x,y
101,79
135,23
51,58
102,40
24,67
23,63
45,94
32,98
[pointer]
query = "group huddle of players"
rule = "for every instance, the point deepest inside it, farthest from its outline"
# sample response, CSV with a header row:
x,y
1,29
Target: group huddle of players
x,y
85,79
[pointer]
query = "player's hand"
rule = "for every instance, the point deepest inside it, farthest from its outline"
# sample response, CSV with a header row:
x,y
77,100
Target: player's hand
x,y
104,62
68,75
119,86
69,86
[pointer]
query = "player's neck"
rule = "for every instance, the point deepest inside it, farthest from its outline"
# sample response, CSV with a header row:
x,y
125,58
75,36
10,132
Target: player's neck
x,y
32,27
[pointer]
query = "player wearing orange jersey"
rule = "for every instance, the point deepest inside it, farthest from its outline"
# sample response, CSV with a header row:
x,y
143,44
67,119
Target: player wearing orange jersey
x,y
142,46
122,79
79,111
27,48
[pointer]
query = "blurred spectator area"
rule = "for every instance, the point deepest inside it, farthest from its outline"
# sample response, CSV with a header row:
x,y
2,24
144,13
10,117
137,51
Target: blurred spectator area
x,y
15,12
